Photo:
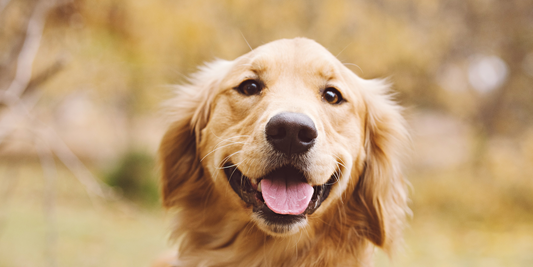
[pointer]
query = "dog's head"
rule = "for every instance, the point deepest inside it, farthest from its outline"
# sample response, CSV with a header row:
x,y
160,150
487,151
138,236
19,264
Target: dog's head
x,y
289,138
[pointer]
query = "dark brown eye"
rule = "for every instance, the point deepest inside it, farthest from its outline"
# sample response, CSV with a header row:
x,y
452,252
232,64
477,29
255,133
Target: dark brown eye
x,y
332,96
250,87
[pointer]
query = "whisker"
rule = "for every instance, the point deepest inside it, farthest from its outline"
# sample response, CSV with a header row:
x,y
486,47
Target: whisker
x,y
340,170
351,64
242,174
235,136
339,174
224,162
217,148
341,161
336,174
343,49
231,166
233,172
246,41
229,138
226,159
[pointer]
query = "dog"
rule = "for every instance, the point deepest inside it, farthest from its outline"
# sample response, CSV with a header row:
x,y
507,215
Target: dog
x,y
284,157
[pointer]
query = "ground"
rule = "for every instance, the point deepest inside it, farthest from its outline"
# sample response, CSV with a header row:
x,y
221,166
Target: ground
x,y
118,233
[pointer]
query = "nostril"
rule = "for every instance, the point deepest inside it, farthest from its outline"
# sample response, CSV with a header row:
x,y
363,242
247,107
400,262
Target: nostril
x,y
275,129
277,132
307,135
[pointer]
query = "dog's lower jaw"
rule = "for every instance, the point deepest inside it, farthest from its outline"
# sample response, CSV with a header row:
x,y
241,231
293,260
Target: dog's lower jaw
x,y
279,230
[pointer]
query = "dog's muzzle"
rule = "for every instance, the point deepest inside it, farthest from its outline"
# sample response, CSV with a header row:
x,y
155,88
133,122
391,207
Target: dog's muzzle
x,y
270,210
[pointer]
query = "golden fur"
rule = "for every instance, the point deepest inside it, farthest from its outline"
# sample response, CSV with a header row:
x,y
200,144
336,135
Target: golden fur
x,y
360,141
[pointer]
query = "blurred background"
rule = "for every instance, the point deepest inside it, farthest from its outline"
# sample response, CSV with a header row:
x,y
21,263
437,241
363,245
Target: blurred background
x,y
81,84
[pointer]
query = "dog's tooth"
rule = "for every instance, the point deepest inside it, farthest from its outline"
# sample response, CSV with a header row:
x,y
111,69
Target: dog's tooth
x,y
259,187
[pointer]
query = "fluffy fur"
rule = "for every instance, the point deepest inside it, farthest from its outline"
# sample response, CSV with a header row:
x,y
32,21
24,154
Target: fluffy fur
x,y
360,141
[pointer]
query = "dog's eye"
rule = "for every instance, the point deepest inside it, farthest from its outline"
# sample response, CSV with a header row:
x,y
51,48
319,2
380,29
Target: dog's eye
x,y
250,87
332,96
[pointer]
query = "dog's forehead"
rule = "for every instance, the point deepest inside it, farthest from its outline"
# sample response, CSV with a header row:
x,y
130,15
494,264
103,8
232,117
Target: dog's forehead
x,y
298,56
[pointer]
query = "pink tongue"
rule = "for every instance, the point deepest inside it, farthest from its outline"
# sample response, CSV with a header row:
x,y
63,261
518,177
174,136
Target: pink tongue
x,y
286,196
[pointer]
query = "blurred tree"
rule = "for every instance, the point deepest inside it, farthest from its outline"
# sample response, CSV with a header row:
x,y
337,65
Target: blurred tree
x,y
134,177
122,50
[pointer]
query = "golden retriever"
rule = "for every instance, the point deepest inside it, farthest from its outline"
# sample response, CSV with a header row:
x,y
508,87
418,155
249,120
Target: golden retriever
x,y
283,157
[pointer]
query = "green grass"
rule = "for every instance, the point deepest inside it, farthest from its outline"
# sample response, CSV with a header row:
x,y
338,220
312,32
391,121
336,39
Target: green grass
x,y
462,218
114,234
458,221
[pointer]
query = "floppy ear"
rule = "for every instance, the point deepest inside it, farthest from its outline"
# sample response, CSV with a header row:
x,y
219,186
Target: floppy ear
x,y
380,197
189,112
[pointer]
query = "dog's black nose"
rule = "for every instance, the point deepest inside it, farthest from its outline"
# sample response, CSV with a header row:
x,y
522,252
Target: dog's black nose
x,y
291,133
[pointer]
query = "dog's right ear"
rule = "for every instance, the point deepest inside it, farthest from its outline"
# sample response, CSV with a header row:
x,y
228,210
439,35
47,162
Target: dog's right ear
x,y
189,113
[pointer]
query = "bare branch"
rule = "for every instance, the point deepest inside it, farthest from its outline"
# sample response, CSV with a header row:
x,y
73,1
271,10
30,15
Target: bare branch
x,y
75,165
3,4
58,147
29,50
44,76
20,107
19,111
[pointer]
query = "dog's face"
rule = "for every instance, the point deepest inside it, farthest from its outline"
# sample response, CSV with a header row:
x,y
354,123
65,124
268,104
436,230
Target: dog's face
x,y
286,116
288,138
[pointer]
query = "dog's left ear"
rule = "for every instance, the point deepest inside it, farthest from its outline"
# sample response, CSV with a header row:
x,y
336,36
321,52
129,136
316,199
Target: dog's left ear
x,y
379,203
189,111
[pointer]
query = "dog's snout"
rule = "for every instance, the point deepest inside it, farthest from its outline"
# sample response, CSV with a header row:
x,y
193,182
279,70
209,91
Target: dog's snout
x,y
291,133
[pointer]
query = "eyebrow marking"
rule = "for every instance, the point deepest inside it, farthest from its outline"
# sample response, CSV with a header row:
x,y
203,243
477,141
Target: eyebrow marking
x,y
327,73
258,66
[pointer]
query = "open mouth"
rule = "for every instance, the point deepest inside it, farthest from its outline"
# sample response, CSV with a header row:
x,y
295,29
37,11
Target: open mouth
x,y
281,197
